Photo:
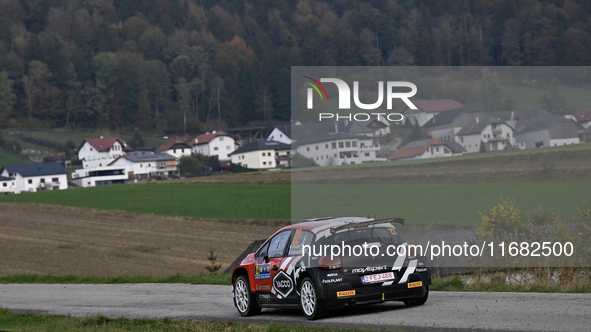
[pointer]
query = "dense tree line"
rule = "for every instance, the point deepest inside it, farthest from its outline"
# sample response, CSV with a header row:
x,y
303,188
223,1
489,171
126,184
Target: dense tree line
x,y
177,66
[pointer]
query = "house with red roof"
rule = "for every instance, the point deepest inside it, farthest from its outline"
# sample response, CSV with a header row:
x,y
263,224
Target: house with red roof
x,y
583,118
98,152
216,143
427,109
429,148
175,148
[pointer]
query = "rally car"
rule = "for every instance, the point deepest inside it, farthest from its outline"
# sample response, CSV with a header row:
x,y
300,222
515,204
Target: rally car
x,y
299,267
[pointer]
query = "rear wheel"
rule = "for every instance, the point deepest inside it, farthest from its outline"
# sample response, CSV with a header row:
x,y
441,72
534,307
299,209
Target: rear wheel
x,y
243,299
419,300
312,307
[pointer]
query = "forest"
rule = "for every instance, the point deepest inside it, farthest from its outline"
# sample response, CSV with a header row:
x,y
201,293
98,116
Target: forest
x,y
186,66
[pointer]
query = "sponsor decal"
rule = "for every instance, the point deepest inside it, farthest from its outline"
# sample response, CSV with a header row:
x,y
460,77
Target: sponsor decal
x,y
423,269
332,274
330,281
369,269
421,264
282,283
264,296
263,287
262,271
346,293
415,284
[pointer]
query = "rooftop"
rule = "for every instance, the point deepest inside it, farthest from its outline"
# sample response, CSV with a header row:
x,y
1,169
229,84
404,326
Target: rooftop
x,y
416,148
37,169
261,145
105,144
327,138
206,138
173,143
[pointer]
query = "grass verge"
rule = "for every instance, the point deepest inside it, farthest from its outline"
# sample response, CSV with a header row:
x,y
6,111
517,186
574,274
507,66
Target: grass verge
x,y
31,322
523,281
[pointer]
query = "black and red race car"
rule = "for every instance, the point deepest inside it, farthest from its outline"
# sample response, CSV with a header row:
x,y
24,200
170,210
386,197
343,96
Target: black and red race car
x,y
299,267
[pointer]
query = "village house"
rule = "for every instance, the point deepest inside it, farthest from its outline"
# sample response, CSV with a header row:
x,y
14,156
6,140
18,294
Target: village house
x,y
427,109
7,185
262,155
100,176
548,131
583,118
429,148
36,177
175,148
495,134
145,166
98,152
281,133
446,125
337,149
216,143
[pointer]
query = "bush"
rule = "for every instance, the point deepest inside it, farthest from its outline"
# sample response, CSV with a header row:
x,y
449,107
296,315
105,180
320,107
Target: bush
x,y
190,166
298,161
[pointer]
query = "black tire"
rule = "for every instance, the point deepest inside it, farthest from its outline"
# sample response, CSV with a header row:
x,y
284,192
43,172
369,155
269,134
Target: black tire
x,y
419,300
243,299
312,307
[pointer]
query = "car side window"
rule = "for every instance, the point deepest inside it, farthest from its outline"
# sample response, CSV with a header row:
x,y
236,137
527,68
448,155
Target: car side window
x,y
277,244
264,250
299,239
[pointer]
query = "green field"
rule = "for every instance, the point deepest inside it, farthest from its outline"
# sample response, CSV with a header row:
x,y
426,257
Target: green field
x,y
7,158
526,97
199,200
435,203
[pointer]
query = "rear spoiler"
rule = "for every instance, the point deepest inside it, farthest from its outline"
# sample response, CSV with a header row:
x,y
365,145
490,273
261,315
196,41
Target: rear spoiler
x,y
367,223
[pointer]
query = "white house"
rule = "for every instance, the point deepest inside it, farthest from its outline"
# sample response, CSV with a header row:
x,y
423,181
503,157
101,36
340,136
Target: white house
x,y
429,148
175,148
145,166
36,177
495,134
547,131
281,133
100,176
216,143
427,109
98,152
337,149
262,155
7,185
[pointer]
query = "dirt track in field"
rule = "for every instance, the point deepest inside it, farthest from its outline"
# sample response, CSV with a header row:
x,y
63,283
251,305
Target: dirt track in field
x,y
44,239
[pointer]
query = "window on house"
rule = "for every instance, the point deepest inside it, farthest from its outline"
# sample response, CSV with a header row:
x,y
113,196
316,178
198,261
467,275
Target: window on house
x,y
215,148
228,147
508,135
4,184
141,165
264,163
173,150
437,149
270,163
341,145
367,154
333,145
316,157
335,155
162,165
42,180
307,149
316,147
221,139
348,144
55,180
30,181
326,146
90,149
149,165
354,144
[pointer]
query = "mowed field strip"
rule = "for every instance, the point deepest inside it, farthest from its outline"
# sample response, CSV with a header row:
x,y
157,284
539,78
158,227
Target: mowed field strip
x,y
46,239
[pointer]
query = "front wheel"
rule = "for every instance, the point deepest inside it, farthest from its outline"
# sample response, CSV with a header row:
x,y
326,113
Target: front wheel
x,y
312,307
420,300
243,299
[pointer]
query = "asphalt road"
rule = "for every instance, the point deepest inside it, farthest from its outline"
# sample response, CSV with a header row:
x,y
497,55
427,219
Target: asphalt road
x,y
452,311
